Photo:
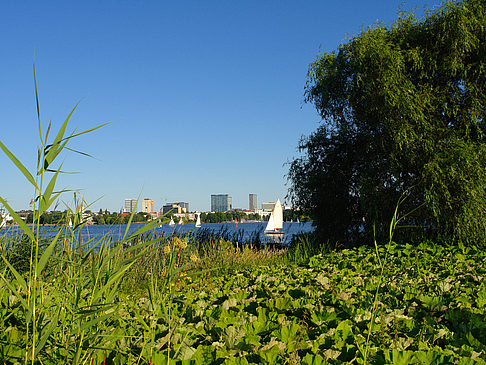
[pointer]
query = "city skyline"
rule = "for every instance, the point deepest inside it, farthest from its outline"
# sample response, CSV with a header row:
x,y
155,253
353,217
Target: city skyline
x,y
224,81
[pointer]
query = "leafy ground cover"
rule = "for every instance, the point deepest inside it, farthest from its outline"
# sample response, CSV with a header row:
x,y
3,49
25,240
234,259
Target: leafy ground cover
x,y
430,309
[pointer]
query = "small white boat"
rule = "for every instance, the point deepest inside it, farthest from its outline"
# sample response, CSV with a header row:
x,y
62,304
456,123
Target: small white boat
x,y
181,222
198,220
275,223
171,223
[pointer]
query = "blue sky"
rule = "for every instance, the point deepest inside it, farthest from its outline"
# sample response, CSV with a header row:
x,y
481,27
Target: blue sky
x,y
205,97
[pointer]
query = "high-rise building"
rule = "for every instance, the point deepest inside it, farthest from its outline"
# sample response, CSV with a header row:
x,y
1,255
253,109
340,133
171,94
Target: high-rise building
x,y
148,206
252,202
130,205
221,203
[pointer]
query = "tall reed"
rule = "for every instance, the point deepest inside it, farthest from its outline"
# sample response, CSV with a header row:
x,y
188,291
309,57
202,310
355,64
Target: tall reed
x,y
67,294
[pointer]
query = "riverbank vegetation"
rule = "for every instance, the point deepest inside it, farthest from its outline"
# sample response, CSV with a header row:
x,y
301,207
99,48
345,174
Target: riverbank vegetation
x,y
167,299
362,289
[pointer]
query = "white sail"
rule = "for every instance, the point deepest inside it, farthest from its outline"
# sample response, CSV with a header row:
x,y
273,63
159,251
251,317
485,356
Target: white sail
x,y
180,221
276,218
171,223
198,221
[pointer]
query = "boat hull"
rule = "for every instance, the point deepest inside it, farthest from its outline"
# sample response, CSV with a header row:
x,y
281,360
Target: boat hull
x,y
273,232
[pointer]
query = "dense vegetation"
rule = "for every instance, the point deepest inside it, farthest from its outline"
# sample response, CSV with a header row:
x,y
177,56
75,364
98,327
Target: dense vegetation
x,y
396,305
403,110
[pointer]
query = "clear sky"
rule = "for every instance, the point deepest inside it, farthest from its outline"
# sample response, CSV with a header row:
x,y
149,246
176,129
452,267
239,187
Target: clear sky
x,y
205,97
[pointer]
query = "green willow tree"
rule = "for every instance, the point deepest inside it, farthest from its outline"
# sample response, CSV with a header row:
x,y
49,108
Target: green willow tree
x,y
403,110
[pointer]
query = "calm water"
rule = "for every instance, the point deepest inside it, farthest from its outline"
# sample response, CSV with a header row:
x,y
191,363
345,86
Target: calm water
x,y
244,231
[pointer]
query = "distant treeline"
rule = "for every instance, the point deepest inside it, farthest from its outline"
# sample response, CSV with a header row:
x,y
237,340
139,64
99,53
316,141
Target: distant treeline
x,y
220,217
103,217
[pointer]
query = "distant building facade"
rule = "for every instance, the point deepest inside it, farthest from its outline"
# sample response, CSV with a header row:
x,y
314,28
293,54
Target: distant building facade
x,y
221,203
184,206
252,202
268,207
148,206
175,208
130,206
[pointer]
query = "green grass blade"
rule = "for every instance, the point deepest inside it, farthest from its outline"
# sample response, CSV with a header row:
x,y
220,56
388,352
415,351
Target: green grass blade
x,y
18,220
16,274
117,275
19,297
86,326
89,130
52,152
79,152
19,164
149,226
45,336
128,226
38,108
47,253
56,147
44,203
54,198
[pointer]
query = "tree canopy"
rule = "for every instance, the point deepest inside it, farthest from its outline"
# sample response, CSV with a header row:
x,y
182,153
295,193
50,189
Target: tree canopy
x,y
403,108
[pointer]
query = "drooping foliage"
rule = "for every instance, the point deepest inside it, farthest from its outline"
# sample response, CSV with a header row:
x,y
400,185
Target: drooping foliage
x,y
403,109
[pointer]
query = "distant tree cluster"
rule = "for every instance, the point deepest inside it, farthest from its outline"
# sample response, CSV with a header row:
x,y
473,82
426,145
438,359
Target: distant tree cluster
x,y
403,109
220,217
117,218
54,217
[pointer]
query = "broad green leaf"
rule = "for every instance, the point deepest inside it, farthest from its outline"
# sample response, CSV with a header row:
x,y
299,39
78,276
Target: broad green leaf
x,y
19,164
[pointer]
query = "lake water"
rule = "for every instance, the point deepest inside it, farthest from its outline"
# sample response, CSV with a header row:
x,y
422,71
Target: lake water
x,y
243,232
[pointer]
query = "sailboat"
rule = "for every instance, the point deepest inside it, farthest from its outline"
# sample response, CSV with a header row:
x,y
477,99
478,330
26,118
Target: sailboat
x,y
198,220
171,223
181,222
275,223
4,218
